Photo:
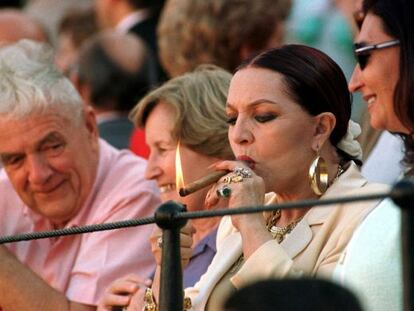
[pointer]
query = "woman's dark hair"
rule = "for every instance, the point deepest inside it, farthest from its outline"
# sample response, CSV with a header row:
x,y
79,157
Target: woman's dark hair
x,y
313,80
398,22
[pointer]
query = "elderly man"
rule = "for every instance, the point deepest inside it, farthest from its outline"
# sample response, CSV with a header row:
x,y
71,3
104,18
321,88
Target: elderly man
x,y
58,174
114,71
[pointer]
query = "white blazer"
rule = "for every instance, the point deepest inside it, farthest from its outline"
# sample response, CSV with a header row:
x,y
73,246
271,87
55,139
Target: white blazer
x,y
313,248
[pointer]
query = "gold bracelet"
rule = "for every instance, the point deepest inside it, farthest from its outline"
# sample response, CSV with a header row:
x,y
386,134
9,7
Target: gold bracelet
x,y
187,303
149,301
150,305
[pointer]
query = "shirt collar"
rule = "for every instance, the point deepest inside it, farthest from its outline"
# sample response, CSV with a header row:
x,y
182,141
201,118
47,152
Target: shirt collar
x,y
130,20
108,116
207,241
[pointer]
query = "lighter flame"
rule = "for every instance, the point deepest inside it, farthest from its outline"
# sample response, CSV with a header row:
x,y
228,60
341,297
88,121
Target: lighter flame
x,y
179,178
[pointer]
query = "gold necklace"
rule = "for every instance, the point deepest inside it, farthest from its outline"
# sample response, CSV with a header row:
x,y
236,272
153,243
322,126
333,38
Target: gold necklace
x,y
339,172
279,233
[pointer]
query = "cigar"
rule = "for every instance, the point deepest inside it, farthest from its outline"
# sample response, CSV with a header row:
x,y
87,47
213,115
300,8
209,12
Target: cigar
x,y
202,182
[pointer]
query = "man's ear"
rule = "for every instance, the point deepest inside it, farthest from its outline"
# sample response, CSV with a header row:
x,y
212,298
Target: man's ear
x,y
90,122
324,125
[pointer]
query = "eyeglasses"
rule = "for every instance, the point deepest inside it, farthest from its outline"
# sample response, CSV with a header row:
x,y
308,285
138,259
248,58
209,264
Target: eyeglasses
x,y
363,52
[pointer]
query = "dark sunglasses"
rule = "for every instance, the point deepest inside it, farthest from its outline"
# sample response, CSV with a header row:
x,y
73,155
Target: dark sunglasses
x,y
363,52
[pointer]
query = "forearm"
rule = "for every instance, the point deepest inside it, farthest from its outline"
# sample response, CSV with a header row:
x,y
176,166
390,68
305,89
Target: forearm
x,y
21,289
254,234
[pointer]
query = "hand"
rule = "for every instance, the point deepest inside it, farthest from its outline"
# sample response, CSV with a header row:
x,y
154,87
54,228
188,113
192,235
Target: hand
x,y
245,191
186,243
137,301
120,292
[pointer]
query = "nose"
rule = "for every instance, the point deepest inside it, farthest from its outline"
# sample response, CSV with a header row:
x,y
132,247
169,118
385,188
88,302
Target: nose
x,y
355,83
39,169
240,133
153,170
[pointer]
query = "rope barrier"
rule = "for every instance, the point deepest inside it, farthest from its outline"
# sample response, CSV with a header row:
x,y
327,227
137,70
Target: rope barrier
x,y
187,215
76,230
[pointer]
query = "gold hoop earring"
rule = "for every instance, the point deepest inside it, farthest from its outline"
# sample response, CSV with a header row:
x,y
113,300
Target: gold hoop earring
x,y
318,175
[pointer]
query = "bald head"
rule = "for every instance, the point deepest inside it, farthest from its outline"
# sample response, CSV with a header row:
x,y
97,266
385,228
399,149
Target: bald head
x,y
15,25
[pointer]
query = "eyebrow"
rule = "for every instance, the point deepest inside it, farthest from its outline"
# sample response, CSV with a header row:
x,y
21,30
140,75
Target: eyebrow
x,y
163,143
50,137
256,102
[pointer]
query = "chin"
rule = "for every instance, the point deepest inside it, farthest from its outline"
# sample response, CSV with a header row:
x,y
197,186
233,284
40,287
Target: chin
x,y
377,124
58,212
169,197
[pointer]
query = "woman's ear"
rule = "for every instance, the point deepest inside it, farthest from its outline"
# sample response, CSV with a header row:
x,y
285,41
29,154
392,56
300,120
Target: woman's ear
x,y
324,125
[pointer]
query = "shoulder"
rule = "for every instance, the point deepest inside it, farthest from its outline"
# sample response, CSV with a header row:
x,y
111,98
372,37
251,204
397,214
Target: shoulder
x,y
340,220
353,184
121,168
120,184
376,244
149,23
381,225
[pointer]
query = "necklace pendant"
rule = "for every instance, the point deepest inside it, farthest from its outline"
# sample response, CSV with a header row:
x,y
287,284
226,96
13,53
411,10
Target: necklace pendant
x,y
277,234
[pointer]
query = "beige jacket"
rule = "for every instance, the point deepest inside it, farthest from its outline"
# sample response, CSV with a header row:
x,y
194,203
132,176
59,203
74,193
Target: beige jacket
x,y
313,248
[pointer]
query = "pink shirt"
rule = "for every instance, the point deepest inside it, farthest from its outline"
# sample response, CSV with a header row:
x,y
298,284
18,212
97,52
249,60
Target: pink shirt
x,y
82,266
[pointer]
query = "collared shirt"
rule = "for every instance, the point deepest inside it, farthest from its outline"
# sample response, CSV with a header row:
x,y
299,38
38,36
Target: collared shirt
x,y
130,20
201,258
203,254
82,266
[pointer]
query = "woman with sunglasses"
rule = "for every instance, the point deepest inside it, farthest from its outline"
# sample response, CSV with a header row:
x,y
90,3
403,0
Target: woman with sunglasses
x,y
385,77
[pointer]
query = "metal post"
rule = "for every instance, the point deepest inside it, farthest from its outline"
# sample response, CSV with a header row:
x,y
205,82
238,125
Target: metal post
x,y
402,195
171,286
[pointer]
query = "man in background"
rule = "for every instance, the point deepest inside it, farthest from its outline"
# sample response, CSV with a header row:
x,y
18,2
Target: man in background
x,y
114,71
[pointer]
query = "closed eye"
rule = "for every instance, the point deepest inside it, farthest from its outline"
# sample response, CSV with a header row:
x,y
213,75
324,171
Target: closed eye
x,y
231,120
265,118
53,149
12,160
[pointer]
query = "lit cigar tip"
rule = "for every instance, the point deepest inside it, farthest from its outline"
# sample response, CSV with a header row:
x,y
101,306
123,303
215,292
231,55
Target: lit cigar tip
x,y
183,192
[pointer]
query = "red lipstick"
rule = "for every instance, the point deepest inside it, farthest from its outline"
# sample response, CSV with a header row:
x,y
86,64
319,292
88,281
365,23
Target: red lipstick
x,y
246,159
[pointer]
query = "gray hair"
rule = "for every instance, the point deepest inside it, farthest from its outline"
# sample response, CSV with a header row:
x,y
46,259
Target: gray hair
x,y
31,84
